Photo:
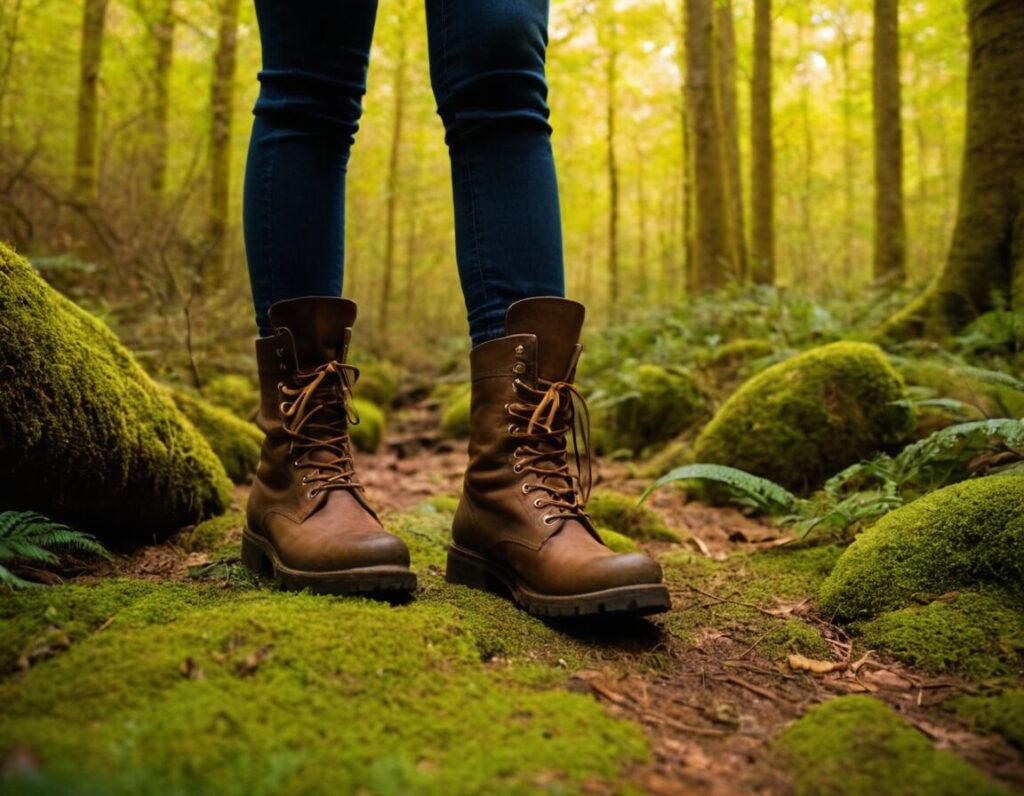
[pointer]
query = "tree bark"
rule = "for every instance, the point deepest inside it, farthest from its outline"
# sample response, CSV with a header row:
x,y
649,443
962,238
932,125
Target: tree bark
x,y
163,59
222,95
985,266
85,177
890,225
762,150
731,130
611,65
713,256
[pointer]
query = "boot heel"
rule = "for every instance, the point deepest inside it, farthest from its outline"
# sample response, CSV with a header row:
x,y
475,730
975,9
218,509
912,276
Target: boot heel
x,y
464,571
255,559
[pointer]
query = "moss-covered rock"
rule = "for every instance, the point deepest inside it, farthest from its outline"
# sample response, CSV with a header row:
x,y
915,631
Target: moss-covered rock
x,y
455,413
211,534
85,436
803,420
958,537
368,433
234,392
1002,713
379,382
618,542
235,441
622,513
980,635
857,746
648,404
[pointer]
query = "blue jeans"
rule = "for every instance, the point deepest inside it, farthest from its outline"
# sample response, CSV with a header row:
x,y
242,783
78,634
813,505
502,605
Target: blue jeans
x,y
487,72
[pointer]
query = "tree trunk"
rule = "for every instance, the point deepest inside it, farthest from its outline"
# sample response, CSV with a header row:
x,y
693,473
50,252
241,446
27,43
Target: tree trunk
x,y
890,226
985,267
222,95
731,131
394,172
85,170
611,81
849,192
713,257
163,59
686,193
762,150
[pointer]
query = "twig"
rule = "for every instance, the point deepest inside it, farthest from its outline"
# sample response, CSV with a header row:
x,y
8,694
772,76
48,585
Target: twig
x,y
751,606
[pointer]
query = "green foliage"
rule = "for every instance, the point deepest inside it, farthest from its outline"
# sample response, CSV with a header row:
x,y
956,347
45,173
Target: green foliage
x,y
802,420
234,392
857,746
639,405
88,437
235,441
27,537
999,331
980,635
1002,713
210,534
624,514
760,494
379,382
368,433
961,536
455,413
618,542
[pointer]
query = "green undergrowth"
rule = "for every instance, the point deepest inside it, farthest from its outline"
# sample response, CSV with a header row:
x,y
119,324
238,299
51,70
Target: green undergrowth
x,y
857,746
235,441
725,597
623,514
211,535
198,688
1002,713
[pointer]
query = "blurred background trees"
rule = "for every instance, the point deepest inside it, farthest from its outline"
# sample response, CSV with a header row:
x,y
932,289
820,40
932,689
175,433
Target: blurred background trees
x,y
814,146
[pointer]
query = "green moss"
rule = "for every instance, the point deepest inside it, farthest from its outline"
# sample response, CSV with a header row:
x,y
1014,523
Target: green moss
x,y
856,746
234,392
87,437
621,513
980,635
803,420
210,534
368,433
618,542
676,454
455,414
235,441
957,537
648,404
379,382
1002,713
446,504
269,692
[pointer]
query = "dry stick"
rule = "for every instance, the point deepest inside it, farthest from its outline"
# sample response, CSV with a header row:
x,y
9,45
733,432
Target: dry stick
x,y
751,606
753,646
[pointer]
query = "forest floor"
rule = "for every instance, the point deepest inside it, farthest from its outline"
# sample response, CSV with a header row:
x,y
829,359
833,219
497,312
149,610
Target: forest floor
x,y
692,701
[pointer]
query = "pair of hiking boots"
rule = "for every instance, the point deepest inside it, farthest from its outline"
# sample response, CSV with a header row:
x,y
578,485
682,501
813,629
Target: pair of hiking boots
x,y
520,528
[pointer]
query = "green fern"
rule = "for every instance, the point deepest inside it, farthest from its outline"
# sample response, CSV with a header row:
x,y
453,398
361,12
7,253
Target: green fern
x,y
758,493
27,537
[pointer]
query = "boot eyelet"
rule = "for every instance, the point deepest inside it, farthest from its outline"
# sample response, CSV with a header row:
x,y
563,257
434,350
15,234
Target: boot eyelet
x,y
547,519
512,429
283,366
312,493
519,368
537,503
520,349
526,489
305,479
518,468
280,351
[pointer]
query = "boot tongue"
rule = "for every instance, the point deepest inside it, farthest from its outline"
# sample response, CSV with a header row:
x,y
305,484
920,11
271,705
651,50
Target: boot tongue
x,y
320,327
557,323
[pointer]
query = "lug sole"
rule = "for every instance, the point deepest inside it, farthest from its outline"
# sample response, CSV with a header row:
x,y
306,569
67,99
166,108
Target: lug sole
x,y
260,557
469,569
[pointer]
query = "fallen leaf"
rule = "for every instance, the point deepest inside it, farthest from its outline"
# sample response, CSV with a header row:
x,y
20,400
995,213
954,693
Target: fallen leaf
x,y
248,667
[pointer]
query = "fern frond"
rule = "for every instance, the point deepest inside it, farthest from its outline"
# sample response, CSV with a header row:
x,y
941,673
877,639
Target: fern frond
x,y
27,536
750,490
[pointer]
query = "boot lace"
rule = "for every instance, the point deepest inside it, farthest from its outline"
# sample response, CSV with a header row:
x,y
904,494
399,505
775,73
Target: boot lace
x,y
313,411
549,415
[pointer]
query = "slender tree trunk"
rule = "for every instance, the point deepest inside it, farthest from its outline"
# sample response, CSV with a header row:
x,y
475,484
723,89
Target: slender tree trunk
x,y
762,150
808,263
163,36
94,16
731,130
222,95
985,266
890,225
686,186
611,82
849,192
12,36
398,93
713,256
642,221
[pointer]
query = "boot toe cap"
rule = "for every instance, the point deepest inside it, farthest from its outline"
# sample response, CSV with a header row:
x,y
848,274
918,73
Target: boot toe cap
x,y
625,569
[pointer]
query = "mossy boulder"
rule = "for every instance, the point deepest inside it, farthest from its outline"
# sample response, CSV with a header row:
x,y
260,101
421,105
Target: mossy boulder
x,y
622,514
805,419
379,382
85,435
368,433
618,542
1002,713
211,534
455,413
234,392
646,405
235,441
857,746
958,537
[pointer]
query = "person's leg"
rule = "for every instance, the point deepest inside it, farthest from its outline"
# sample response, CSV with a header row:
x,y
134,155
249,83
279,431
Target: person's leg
x,y
487,70
315,59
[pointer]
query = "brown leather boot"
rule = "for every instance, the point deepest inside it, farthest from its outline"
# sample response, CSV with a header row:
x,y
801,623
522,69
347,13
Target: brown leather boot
x,y
308,522
521,526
